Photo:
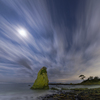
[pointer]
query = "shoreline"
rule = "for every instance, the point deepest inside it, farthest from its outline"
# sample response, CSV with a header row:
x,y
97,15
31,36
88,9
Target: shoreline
x,y
71,84
74,94
63,84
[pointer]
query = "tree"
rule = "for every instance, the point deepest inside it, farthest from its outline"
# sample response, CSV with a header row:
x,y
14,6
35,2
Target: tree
x,y
96,78
82,77
90,78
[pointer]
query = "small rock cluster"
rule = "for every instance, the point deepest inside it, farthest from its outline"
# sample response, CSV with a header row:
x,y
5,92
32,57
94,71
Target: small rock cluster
x,y
61,95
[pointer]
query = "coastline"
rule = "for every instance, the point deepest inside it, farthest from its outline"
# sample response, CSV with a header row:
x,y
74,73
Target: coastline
x,y
74,84
63,84
74,94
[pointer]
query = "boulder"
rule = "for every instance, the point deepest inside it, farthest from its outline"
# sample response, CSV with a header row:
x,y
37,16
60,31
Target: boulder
x,y
42,80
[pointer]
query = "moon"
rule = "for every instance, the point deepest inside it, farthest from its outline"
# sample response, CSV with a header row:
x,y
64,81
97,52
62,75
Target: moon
x,y
22,32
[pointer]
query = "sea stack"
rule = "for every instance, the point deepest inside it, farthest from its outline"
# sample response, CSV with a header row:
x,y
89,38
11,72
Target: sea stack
x,y
42,80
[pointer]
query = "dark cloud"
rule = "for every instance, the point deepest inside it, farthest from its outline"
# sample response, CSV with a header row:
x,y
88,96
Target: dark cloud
x,y
24,62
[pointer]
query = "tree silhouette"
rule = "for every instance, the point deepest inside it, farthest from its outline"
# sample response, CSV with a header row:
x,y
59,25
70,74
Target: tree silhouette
x,y
96,78
82,77
90,78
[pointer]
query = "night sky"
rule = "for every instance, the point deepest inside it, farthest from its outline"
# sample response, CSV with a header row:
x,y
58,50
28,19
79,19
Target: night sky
x,y
62,35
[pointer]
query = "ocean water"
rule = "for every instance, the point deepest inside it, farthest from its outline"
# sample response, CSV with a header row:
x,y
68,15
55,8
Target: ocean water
x,y
22,91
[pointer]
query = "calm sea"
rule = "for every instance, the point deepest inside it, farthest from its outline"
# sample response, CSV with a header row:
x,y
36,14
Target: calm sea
x,y
22,91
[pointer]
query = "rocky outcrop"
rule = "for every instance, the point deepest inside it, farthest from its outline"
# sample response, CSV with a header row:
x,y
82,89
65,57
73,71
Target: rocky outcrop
x,y
42,80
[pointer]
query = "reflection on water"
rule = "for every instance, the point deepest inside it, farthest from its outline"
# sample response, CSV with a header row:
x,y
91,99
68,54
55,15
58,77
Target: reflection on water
x,y
23,91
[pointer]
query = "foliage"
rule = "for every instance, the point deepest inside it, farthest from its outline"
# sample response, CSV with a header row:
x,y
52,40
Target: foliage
x,y
96,78
82,77
43,70
91,80
42,80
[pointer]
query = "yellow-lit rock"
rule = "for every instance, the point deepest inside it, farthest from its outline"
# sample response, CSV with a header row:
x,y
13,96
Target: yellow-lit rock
x,y
42,80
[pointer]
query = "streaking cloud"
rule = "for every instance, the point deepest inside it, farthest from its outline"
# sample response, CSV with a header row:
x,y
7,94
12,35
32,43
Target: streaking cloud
x,y
57,34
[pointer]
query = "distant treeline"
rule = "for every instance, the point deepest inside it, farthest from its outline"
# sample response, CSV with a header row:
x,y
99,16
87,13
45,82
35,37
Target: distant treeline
x,y
90,79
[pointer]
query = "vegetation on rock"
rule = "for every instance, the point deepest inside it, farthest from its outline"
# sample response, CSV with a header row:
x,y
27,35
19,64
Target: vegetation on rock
x,y
43,70
42,80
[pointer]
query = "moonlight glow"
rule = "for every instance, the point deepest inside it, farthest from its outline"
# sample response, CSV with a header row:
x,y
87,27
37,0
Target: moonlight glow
x,y
22,32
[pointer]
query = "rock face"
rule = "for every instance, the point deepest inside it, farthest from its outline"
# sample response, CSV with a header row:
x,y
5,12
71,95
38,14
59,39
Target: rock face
x,y
42,80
